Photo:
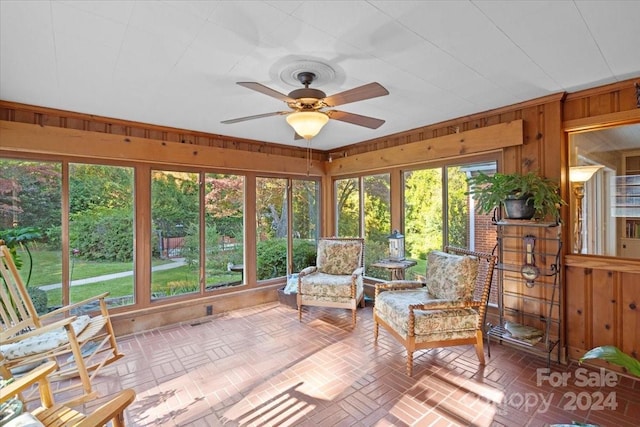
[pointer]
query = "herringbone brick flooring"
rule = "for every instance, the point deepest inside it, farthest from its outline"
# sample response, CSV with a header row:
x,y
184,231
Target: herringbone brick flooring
x,y
261,367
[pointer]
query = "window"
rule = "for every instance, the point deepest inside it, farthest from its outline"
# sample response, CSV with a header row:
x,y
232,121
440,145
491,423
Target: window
x,y
305,219
272,227
101,232
31,222
347,206
439,213
175,221
377,222
279,252
423,214
224,230
196,235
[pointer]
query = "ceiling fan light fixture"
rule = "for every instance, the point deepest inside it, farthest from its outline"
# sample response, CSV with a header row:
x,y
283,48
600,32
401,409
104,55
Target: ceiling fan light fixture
x,y
307,124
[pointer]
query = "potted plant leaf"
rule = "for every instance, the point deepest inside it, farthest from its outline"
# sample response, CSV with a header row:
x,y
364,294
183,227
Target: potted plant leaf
x,y
614,355
524,196
21,237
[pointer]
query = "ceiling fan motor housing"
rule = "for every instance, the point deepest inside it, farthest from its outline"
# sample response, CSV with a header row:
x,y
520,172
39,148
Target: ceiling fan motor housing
x,y
307,97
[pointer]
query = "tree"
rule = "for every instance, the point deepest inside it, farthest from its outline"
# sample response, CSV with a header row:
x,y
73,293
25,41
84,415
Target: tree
x,y
423,211
174,202
99,186
271,206
30,194
348,207
224,204
458,206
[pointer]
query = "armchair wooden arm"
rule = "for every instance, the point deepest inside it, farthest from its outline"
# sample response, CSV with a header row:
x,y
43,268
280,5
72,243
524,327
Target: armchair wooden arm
x,y
113,410
38,375
397,285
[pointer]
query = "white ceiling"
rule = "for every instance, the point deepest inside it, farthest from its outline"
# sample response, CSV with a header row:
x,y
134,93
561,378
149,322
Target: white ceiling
x,y
175,63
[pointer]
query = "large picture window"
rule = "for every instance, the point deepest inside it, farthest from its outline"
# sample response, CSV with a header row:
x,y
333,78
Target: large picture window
x,y
304,221
348,207
31,224
175,222
272,229
377,221
224,230
101,236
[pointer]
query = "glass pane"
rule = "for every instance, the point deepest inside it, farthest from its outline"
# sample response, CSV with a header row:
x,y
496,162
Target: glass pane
x,y
30,222
101,232
224,222
305,220
377,222
271,220
466,228
175,217
347,207
605,204
423,216
458,219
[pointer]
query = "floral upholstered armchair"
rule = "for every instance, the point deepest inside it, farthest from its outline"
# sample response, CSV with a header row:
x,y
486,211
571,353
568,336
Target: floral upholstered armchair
x,y
336,279
442,311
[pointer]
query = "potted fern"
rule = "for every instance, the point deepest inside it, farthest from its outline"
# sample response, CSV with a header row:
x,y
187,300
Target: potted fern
x,y
524,196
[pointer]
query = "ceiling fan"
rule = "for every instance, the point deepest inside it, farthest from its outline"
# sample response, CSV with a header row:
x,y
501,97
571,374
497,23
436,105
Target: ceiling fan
x,y
308,106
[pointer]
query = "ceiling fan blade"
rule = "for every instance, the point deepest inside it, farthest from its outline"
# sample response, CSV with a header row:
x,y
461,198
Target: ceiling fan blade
x,y
257,116
371,90
266,91
356,119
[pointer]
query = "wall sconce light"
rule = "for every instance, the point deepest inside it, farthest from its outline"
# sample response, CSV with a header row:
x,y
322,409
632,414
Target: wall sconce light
x,y
307,124
578,175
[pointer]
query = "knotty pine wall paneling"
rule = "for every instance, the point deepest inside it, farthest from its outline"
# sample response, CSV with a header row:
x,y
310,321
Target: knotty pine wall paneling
x,y
602,293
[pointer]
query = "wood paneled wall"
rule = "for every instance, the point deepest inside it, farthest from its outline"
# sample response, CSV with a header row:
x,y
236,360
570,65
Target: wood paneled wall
x,y
602,304
602,293
544,123
21,113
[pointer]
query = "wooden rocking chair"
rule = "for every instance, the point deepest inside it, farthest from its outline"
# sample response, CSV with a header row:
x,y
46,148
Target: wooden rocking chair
x,y
81,345
51,414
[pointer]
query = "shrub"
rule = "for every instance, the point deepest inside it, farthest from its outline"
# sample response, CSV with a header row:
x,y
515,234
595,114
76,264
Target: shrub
x,y
272,261
103,234
39,299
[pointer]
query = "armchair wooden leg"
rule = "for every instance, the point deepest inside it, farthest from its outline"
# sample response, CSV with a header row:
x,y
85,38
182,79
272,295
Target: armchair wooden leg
x,y
479,347
375,331
299,312
353,317
409,363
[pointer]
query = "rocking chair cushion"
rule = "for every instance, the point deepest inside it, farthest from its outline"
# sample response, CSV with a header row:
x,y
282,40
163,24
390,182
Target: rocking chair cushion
x,y
43,342
451,277
25,419
339,258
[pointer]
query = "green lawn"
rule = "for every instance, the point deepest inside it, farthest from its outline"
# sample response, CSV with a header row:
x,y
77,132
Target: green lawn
x,y
47,271
47,267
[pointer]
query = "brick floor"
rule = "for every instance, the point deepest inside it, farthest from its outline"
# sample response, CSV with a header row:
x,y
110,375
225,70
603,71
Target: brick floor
x,y
261,367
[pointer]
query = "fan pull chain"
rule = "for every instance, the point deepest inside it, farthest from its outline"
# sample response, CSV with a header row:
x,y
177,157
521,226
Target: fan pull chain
x,y
309,161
